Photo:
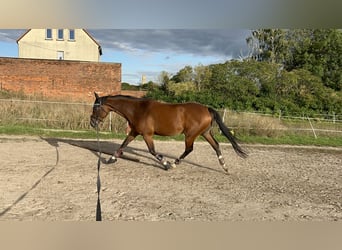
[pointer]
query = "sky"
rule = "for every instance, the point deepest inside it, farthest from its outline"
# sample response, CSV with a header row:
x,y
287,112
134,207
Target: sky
x,y
151,36
148,52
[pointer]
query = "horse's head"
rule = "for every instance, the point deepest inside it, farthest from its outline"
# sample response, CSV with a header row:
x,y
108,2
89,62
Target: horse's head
x,y
99,111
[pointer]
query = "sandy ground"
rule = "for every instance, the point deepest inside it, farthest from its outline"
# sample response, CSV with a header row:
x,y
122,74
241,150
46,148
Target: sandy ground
x,y
55,180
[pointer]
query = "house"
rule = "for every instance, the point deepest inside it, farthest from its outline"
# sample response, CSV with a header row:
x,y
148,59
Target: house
x,y
62,64
60,44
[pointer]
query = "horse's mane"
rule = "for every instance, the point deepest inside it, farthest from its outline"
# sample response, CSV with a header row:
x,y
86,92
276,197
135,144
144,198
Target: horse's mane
x,y
124,97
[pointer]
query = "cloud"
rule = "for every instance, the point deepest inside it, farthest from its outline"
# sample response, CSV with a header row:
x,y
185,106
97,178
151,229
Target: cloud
x,y
199,42
220,42
7,35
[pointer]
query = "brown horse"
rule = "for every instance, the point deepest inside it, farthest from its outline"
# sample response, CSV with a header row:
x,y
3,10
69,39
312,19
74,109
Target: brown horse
x,y
148,117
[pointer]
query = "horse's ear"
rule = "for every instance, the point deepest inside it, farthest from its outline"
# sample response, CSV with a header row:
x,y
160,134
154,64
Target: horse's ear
x,y
96,95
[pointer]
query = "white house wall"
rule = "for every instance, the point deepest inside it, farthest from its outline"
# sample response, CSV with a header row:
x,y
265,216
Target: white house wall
x,y
35,45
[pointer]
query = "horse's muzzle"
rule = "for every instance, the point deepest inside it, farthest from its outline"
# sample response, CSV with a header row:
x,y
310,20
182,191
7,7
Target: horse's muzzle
x,y
94,122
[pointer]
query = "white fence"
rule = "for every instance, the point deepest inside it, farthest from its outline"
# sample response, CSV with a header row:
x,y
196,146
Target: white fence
x,y
75,116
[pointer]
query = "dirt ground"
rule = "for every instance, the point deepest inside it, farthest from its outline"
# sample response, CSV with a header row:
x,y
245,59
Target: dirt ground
x,y
46,179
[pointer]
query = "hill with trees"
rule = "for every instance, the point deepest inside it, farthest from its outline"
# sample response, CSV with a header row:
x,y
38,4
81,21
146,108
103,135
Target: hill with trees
x,y
289,70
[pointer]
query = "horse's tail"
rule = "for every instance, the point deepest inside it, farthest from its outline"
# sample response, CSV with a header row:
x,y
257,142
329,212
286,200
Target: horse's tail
x,y
226,131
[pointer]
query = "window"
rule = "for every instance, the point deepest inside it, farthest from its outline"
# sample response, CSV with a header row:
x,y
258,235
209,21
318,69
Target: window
x,y
48,34
72,35
60,34
60,55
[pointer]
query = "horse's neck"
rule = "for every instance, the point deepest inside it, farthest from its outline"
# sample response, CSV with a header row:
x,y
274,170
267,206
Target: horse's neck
x,y
124,107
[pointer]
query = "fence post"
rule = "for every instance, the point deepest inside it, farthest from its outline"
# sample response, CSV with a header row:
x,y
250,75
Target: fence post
x,y
313,130
110,121
334,118
224,114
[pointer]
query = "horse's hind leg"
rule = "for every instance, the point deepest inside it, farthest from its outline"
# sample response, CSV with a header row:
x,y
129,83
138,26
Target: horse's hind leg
x,y
208,135
189,146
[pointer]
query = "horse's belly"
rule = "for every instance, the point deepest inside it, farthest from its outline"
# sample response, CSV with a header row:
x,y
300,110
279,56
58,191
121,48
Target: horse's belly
x,y
169,130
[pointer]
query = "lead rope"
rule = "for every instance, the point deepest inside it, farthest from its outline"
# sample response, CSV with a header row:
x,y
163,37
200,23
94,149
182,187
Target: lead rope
x,y
98,206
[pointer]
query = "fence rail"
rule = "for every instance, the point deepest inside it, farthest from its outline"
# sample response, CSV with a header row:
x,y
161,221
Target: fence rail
x,y
75,116
334,118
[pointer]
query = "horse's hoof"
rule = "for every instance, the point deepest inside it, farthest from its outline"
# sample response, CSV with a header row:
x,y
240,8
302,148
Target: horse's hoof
x,y
225,169
111,160
173,165
167,165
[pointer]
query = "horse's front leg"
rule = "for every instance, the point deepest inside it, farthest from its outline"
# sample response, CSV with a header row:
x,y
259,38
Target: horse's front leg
x,y
150,145
118,153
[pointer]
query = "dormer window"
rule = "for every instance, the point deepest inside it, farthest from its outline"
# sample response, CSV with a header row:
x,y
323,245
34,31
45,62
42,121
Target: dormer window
x,y
72,35
60,34
48,34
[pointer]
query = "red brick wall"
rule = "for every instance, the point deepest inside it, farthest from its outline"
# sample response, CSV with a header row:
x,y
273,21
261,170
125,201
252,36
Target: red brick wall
x,y
63,80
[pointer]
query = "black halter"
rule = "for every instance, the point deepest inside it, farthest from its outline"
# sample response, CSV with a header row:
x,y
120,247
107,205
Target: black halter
x,y
97,106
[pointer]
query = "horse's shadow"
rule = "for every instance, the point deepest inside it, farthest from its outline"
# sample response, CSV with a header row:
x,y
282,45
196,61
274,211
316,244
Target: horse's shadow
x,y
130,153
140,156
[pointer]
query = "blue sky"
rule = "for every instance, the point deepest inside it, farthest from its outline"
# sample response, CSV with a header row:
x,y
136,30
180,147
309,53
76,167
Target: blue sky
x,y
150,51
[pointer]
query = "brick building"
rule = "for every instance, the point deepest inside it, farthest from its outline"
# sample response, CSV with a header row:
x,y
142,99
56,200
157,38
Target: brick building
x,y
59,63
60,79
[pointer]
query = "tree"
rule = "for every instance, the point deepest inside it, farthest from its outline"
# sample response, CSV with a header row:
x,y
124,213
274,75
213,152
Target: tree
x,y
316,50
183,75
254,80
149,86
164,79
320,52
269,45
202,76
304,77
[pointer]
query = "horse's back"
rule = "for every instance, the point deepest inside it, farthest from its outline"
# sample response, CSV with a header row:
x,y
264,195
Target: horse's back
x,y
172,119
169,109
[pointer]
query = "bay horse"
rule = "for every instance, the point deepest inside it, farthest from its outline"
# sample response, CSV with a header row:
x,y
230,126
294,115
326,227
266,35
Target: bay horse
x,y
148,117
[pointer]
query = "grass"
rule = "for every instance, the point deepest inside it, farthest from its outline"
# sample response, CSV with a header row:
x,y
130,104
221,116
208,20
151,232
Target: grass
x,y
57,133
91,134
71,120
